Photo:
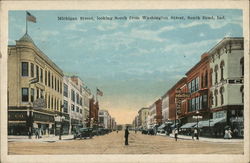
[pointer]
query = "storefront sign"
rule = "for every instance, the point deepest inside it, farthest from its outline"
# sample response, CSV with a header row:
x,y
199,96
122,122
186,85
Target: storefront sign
x,y
39,104
17,116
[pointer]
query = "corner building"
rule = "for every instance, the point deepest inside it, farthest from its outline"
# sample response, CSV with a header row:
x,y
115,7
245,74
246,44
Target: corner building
x,y
34,89
227,83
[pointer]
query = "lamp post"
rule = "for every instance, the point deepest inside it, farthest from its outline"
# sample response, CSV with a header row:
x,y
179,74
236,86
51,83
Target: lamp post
x,y
197,123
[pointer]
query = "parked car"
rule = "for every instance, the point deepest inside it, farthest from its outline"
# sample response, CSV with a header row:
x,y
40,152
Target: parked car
x,y
144,131
151,131
83,133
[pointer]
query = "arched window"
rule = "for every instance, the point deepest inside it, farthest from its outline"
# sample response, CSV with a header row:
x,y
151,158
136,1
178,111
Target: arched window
x,y
242,66
216,74
221,95
216,97
242,93
222,65
211,77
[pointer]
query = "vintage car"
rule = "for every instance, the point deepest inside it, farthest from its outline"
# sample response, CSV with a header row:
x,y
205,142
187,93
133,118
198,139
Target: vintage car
x,y
83,133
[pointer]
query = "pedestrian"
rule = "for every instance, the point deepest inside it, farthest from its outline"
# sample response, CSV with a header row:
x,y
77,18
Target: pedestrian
x,y
116,131
192,132
39,133
226,136
126,135
229,133
235,132
196,134
36,133
176,134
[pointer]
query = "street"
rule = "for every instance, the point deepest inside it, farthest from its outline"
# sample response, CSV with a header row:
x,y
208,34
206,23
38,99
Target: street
x,y
113,143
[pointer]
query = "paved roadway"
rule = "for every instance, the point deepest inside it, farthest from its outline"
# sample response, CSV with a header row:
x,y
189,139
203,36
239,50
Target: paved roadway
x,y
113,143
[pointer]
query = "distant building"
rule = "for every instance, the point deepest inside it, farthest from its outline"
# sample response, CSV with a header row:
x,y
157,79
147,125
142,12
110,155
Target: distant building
x,y
165,107
142,118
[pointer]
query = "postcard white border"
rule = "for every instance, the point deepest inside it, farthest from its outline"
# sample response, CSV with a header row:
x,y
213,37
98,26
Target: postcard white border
x,y
118,5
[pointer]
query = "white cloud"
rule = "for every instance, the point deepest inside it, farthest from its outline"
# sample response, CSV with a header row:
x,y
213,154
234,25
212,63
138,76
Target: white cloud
x,y
44,36
76,26
201,34
107,25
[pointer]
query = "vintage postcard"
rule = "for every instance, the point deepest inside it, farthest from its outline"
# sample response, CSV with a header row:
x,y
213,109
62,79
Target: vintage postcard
x,y
127,82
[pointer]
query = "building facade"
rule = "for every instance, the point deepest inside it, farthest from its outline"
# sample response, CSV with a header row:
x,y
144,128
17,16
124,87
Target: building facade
x,y
227,82
142,118
34,89
165,107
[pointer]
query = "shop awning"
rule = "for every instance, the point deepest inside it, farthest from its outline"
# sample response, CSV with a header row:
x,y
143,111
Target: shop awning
x,y
173,125
210,122
189,125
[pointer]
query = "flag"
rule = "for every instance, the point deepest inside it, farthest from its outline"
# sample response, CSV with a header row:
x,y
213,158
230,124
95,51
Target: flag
x,y
30,17
98,92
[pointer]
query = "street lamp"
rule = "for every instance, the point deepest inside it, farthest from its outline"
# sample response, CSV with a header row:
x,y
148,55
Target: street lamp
x,y
197,122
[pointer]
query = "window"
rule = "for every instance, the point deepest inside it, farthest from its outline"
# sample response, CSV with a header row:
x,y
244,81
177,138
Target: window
x,y
211,99
197,103
222,65
52,81
31,69
65,106
216,74
211,77
37,72
81,101
60,87
73,95
37,93
216,98
25,94
45,77
41,74
52,103
189,87
32,94
193,104
25,69
81,111
221,95
202,81
77,109
200,102
206,80
49,79
242,66
77,98
197,84
49,102
41,93
65,90
72,107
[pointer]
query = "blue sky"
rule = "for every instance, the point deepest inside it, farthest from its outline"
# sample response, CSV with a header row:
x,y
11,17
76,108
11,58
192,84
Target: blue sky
x,y
134,62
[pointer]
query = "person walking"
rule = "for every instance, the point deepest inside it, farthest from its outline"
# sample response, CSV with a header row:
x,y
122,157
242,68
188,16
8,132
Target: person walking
x,y
126,135
37,133
196,134
176,134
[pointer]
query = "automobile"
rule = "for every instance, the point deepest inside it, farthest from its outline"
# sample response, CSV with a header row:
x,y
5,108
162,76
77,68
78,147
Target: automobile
x,y
83,133
151,131
144,131
161,132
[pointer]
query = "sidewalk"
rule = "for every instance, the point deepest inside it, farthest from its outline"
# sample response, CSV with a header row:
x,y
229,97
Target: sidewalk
x,y
216,140
45,138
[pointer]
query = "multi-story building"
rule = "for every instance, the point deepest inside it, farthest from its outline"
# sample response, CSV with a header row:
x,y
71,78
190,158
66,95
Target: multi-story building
x,y
198,88
158,107
227,78
165,107
142,118
34,89
151,116
104,119
74,101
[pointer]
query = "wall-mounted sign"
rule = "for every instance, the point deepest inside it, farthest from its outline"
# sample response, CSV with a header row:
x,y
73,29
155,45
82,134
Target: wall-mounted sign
x,y
39,103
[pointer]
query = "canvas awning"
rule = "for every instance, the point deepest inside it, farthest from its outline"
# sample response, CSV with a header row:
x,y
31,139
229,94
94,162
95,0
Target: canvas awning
x,y
210,122
189,125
